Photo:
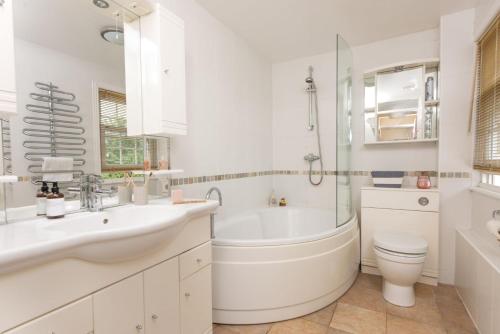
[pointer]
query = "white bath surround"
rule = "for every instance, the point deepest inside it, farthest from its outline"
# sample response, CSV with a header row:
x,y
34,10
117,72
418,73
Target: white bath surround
x,y
280,263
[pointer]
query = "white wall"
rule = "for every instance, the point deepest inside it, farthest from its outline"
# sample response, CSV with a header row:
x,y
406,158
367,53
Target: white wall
x,y
229,110
291,139
455,142
486,11
37,63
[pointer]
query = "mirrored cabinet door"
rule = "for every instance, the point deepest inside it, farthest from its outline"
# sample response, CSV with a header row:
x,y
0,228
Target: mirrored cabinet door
x,y
402,103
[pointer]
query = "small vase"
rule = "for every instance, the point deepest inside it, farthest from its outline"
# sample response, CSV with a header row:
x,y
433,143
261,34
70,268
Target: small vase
x,y
423,182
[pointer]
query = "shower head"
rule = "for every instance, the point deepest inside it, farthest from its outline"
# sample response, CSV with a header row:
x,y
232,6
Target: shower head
x,y
310,79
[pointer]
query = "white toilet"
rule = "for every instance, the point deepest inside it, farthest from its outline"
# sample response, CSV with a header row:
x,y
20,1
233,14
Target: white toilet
x,y
400,259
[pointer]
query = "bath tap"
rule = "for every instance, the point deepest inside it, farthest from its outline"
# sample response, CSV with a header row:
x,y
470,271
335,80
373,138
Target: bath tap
x,y
219,194
212,215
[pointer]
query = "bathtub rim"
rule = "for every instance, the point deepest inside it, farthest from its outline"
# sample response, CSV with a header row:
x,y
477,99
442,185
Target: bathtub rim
x,y
231,242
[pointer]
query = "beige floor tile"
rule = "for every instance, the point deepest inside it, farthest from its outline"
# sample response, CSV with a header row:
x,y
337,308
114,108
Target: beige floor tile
x,y
455,318
369,281
298,326
424,291
323,316
242,329
368,298
425,310
354,319
397,325
336,331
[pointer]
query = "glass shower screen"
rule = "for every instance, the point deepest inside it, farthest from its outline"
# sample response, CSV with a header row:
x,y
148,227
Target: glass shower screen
x,y
344,207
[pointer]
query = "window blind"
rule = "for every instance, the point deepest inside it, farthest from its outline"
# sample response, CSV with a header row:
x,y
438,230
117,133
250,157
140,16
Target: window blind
x,y
118,151
487,135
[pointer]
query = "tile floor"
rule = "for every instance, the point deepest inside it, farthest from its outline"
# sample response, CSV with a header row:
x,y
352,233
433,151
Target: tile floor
x,y
363,310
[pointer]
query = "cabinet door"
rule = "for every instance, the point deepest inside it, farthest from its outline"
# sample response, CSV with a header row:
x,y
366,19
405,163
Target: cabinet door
x,y
161,298
174,77
7,70
120,308
196,302
75,318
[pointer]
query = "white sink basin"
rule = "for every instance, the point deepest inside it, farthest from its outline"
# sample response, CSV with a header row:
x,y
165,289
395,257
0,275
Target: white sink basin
x,y
117,234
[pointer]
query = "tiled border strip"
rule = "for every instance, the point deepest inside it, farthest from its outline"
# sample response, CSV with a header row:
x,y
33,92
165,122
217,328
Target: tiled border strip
x,y
225,177
233,176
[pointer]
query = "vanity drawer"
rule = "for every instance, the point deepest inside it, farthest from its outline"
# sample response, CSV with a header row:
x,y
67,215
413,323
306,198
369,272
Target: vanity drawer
x,y
195,259
401,199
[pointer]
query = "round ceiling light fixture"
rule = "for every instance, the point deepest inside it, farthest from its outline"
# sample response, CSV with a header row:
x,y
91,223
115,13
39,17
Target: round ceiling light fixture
x,y
101,3
113,35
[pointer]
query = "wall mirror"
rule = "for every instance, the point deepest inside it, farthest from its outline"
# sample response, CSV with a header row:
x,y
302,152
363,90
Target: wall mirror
x,y
72,102
402,103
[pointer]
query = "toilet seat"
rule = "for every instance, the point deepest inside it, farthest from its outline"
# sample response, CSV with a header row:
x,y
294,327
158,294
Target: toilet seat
x,y
400,244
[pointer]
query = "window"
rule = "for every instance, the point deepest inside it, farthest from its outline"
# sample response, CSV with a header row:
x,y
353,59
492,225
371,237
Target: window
x,y
487,137
118,151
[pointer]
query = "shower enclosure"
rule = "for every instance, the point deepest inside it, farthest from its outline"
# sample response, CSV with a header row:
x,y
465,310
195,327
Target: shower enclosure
x,y
344,207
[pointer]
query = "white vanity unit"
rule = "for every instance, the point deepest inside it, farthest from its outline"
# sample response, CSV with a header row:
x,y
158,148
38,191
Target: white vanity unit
x,y
130,269
410,210
7,69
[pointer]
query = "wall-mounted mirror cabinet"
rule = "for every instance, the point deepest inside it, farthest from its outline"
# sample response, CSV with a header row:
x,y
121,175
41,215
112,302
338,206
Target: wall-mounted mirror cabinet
x,y
78,87
401,103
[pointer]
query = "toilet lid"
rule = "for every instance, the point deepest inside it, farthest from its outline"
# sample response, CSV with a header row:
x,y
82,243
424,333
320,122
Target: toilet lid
x,y
400,242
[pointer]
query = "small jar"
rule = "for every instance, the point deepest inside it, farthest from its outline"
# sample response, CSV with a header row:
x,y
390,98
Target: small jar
x,y
424,182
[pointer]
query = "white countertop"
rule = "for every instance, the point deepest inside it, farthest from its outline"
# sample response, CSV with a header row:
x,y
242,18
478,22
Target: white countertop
x,y
38,240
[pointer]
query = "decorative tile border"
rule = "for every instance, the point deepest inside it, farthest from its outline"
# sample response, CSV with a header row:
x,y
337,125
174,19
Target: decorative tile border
x,y
225,177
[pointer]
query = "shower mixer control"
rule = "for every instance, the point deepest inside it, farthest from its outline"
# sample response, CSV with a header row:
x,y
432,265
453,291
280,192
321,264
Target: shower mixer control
x,y
311,157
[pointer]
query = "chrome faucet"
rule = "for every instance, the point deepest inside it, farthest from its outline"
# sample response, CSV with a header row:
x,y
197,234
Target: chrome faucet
x,y
91,192
219,194
212,215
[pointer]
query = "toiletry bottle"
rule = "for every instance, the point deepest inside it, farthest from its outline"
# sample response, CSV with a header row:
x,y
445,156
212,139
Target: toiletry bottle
x,y
41,200
55,203
272,200
283,201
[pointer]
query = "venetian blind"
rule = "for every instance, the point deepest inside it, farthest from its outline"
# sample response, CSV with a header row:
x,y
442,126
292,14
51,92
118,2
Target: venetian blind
x,y
487,137
118,151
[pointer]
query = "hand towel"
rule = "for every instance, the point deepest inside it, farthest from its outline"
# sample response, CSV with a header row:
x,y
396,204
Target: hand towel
x,y
52,164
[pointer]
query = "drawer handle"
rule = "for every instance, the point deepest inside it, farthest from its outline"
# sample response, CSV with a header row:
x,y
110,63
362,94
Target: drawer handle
x,y
154,316
138,327
199,261
187,294
423,201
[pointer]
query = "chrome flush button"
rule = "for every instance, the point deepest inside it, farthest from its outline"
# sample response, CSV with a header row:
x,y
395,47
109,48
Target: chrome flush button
x,y
423,201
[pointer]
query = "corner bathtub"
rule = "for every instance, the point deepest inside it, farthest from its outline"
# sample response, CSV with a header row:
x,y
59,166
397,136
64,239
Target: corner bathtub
x,y
280,263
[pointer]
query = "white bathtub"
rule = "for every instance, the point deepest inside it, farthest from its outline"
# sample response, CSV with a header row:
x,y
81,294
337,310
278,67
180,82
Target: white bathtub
x,y
280,263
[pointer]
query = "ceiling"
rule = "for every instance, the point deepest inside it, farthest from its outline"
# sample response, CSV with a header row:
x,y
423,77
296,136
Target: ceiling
x,y
288,29
69,26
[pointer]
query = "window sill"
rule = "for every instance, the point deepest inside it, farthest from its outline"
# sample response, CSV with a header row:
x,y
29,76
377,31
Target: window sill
x,y
486,191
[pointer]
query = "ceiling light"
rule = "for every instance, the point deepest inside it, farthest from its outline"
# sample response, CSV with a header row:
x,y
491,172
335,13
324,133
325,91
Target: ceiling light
x,y
101,3
113,35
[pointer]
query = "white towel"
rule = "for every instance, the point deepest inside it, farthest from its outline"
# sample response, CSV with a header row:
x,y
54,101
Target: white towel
x,y
493,227
57,164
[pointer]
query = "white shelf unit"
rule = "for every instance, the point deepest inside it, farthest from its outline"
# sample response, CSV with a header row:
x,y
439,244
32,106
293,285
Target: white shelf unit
x,y
430,67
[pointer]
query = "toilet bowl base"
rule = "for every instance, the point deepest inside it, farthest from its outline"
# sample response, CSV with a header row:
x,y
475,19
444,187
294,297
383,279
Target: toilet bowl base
x,y
399,295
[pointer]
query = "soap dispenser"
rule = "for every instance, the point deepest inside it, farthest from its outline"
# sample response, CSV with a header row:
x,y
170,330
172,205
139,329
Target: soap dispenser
x,y
55,203
41,200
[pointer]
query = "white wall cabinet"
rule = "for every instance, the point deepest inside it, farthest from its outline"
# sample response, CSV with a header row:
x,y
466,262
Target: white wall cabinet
x,y
161,106
407,210
7,69
75,318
